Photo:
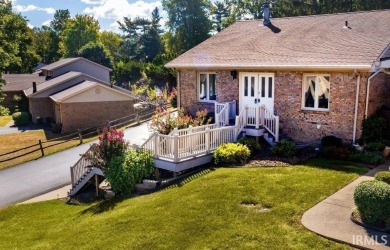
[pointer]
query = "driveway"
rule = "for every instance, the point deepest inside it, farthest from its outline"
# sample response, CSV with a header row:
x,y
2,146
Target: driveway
x,y
45,174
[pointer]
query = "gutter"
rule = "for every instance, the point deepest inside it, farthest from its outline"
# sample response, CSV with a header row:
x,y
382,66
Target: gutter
x,y
356,106
275,66
368,89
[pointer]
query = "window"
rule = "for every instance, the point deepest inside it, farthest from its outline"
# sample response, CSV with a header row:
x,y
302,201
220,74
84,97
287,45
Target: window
x,y
207,84
315,92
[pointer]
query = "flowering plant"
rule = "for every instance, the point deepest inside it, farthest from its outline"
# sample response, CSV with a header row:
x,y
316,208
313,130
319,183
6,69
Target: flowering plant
x,y
111,144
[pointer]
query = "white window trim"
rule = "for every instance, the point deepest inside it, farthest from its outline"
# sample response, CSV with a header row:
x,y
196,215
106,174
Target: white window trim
x,y
198,86
315,101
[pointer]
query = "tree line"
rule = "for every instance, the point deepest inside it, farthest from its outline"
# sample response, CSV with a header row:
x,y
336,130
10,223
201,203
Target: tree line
x,y
138,54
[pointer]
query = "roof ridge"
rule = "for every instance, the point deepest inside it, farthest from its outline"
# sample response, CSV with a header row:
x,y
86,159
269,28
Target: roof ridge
x,y
317,15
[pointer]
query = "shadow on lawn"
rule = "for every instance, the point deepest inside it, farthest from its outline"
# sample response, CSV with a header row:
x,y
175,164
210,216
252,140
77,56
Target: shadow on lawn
x,y
106,205
337,165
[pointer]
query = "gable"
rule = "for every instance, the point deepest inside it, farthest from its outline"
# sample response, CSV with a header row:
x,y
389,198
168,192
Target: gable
x,y
96,93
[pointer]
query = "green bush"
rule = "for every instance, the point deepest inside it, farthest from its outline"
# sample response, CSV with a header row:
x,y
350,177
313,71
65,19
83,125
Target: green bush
x,y
366,157
375,146
383,176
21,118
373,128
284,148
250,143
56,127
4,111
372,199
231,153
124,171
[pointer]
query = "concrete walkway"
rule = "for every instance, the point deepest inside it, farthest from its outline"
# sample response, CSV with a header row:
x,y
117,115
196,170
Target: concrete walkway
x,y
331,218
49,173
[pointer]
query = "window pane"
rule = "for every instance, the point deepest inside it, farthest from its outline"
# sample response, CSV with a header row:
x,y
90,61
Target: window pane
x,y
270,87
263,87
203,87
309,91
246,86
252,86
212,92
323,92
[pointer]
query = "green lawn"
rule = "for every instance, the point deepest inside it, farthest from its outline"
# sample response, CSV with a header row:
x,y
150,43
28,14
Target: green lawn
x,y
203,213
4,120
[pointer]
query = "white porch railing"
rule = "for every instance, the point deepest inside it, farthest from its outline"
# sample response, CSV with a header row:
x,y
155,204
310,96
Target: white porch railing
x,y
222,114
270,122
78,169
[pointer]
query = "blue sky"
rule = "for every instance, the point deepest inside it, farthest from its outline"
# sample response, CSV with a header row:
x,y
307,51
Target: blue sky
x,y
41,12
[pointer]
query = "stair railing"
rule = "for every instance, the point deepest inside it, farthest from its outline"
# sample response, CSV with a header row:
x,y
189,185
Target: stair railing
x,y
222,114
270,122
81,166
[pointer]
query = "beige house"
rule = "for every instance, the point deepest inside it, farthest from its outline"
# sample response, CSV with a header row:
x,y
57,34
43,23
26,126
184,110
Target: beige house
x,y
75,93
310,76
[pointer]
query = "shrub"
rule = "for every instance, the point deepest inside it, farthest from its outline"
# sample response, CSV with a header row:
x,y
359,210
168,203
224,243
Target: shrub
x,y
375,146
165,122
373,128
124,171
331,141
284,148
56,128
335,152
366,157
4,111
372,199
383,176
250,143
111,144
21,118
231,153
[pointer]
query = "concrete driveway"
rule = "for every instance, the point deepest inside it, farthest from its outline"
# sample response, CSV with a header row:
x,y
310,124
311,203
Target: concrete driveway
x,y
45,174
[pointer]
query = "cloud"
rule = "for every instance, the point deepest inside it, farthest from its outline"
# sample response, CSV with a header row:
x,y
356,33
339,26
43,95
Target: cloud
x,y
30,25
117,9
30,7
46,23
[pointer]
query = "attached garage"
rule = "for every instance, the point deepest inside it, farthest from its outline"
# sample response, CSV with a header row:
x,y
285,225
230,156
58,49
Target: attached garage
x,y
90,103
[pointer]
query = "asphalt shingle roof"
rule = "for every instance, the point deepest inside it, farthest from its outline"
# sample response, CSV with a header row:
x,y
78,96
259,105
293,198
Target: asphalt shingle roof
x,y
19,82
318,41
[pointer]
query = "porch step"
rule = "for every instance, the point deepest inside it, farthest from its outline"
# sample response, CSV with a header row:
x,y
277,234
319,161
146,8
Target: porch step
x,y
91,172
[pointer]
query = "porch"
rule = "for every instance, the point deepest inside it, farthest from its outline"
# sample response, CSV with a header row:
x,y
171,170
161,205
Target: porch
x,y
187,148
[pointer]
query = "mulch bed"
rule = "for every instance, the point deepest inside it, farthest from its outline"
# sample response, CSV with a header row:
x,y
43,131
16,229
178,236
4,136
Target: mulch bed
x,y
265,159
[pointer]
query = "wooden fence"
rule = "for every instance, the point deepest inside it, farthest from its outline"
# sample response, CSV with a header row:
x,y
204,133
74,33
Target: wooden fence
x,y
40,146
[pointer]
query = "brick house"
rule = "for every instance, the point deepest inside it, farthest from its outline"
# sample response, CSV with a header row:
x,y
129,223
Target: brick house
x,y
75,92
320,75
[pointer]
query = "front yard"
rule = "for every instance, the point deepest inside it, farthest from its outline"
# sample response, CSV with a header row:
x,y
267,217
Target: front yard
x,y
226,208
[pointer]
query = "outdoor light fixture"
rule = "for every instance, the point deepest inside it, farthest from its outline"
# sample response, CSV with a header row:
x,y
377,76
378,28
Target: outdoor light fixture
x,y
233,73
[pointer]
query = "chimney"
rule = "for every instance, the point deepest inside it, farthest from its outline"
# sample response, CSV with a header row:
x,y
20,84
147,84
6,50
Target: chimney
x,y
34,87
346,26
267,14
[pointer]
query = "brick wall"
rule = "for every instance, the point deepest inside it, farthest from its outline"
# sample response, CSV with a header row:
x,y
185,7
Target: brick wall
x,y
226,87
83,115
300,124
41,107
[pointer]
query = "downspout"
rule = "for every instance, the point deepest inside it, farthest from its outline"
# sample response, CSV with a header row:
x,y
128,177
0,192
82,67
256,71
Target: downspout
x,y
356,106
178,89
368,89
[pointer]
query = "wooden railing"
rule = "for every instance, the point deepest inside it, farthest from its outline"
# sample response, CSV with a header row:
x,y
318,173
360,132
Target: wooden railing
x,y
80,167
222,116
270,122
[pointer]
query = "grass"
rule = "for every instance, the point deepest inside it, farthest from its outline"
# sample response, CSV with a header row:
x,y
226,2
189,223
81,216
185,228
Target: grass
x,y
11,142
4,120
222,209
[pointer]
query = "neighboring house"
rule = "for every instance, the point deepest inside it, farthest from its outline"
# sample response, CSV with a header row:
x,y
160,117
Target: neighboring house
x,y
314,72
74,92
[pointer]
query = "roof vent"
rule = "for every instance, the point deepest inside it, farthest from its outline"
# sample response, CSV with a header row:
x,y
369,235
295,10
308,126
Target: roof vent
x,y
267,14
346,25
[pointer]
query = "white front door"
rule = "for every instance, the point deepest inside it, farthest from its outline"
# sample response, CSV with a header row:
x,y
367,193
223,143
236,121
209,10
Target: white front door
x,y
257,89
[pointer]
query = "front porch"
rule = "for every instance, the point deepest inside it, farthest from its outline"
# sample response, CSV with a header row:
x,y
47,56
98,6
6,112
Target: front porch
x,y
187,148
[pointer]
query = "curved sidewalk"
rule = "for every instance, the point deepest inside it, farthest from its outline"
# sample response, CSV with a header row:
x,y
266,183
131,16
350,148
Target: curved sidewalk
x,y
331,218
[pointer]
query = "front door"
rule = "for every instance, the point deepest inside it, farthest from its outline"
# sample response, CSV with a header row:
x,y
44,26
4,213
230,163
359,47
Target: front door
x,y
257,89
